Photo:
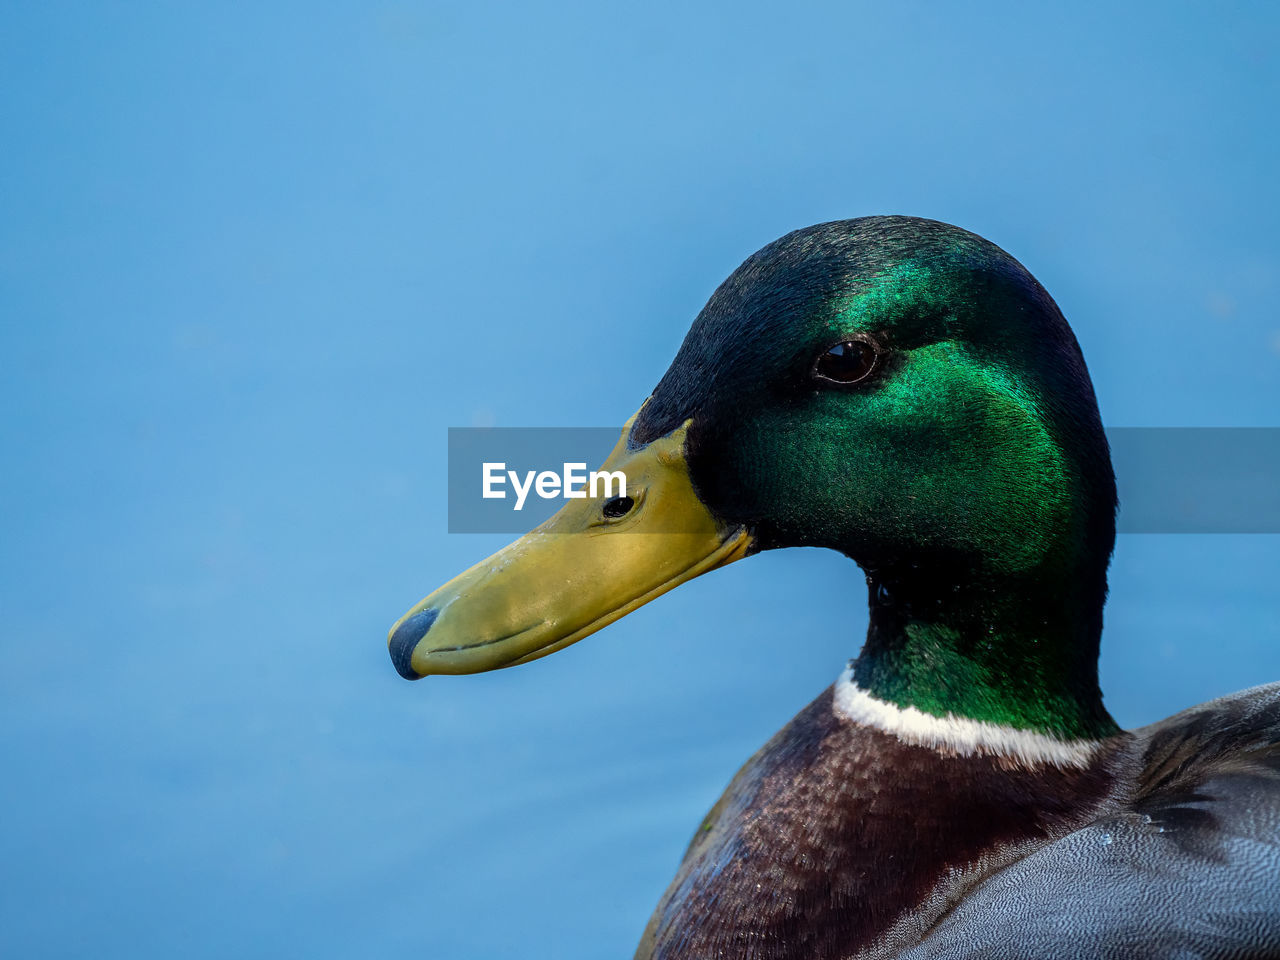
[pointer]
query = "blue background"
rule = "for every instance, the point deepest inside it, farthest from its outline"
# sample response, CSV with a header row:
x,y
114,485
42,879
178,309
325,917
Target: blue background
x,y
255,259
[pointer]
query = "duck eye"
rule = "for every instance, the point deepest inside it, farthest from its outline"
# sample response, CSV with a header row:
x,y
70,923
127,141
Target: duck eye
x,y
847,362
616,507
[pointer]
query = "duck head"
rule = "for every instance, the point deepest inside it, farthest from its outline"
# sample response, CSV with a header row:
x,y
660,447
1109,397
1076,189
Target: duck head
x,y
896,389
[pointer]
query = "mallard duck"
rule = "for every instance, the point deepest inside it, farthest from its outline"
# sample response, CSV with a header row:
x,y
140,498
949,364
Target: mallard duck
x,y
906,393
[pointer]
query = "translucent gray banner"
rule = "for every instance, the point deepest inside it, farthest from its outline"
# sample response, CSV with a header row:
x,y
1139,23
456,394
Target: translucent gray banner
x,y
1171,479
1197,479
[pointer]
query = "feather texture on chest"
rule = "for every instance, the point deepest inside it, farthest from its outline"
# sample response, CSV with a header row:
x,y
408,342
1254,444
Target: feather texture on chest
x,y
838,839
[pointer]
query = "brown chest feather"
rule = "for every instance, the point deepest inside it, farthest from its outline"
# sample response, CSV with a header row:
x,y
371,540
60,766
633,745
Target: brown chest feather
x,y
838,840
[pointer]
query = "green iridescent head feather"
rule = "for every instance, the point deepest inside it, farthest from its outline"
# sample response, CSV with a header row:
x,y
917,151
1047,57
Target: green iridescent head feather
x,y
968,474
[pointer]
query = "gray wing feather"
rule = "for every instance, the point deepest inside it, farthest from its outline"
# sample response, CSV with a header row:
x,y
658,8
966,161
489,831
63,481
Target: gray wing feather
x,y
1186,863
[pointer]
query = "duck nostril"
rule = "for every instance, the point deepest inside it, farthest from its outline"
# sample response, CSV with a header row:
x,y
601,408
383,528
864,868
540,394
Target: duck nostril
x,y
616,507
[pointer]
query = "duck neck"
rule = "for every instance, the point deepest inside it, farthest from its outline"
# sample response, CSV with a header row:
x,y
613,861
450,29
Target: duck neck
x,y
1015,651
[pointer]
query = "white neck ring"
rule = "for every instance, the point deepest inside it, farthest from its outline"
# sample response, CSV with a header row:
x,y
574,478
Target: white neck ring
x,y
958,736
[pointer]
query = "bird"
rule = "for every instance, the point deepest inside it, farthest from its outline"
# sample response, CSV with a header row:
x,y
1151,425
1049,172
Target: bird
x,y
904,392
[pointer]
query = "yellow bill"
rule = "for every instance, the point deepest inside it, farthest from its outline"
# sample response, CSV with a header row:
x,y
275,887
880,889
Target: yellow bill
x,y
593,562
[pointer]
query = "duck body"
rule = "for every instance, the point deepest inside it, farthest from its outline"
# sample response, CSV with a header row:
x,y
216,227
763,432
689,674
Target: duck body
x,y
905,393
840,839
